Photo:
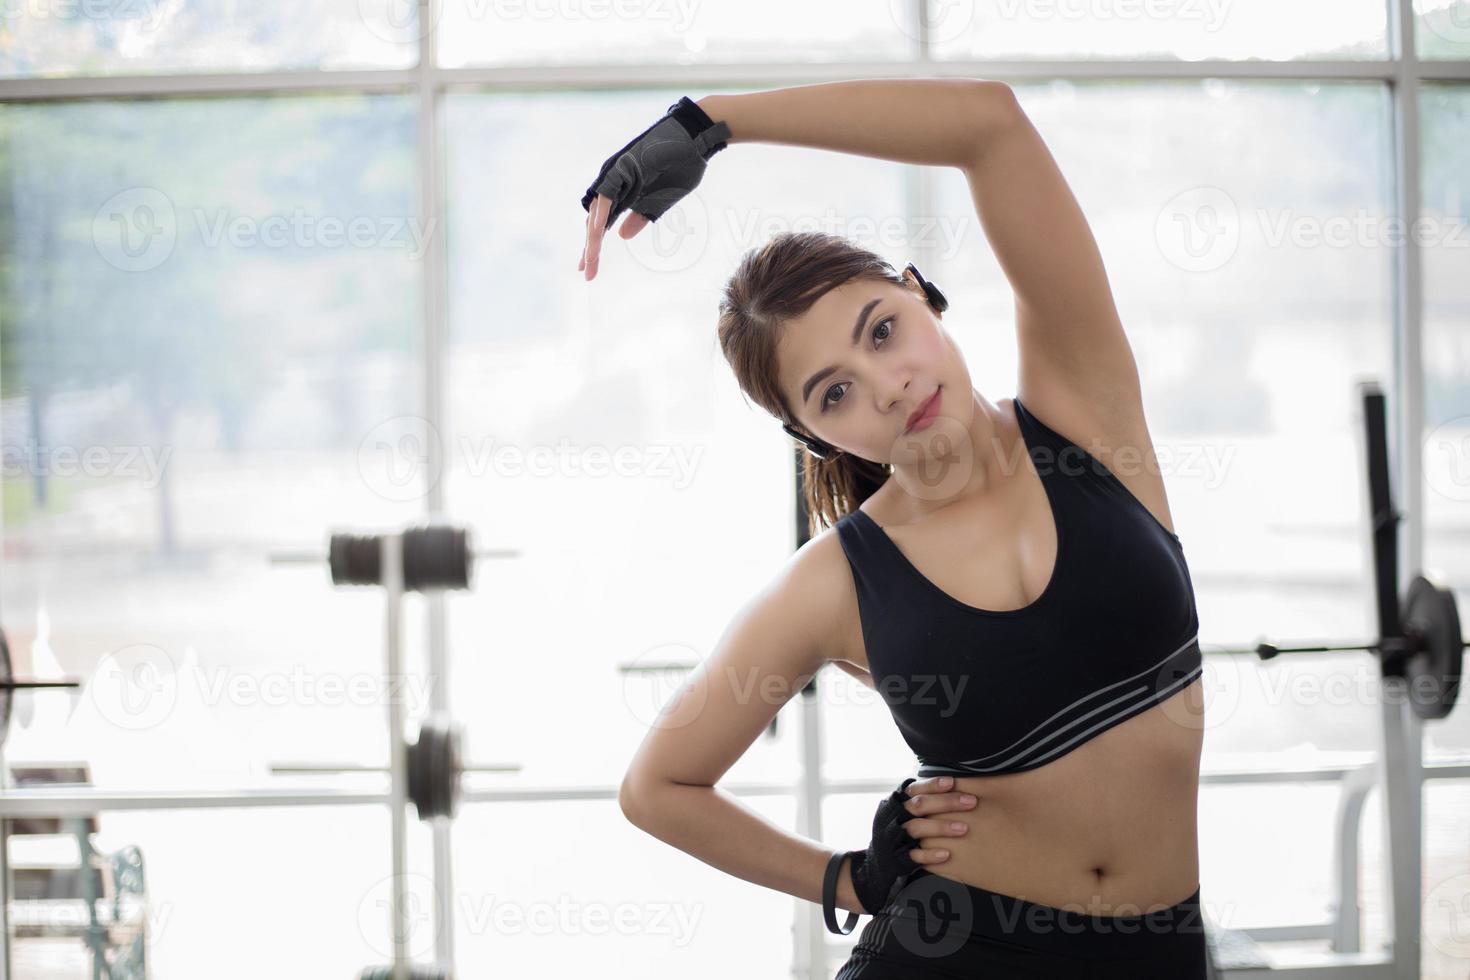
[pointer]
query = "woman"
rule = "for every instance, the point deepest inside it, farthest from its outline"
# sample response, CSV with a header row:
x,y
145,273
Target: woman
x,y
1005,572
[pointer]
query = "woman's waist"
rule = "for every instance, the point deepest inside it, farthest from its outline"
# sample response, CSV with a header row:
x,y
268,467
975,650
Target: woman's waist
x,y
1108,858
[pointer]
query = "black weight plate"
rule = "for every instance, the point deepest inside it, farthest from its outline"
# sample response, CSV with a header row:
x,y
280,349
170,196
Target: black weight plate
x,y
434,769
1431,616
355,559
436,556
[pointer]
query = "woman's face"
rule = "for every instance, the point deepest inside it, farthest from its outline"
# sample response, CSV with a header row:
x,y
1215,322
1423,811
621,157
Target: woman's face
x,y
863,359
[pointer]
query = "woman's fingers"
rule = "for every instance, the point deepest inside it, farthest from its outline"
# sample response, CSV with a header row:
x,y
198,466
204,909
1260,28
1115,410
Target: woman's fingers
x,y
932,802
928,804
934,784
596,227
929,855
632,225
931,831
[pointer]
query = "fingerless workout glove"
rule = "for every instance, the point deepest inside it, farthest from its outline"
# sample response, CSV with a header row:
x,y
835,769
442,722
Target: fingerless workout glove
x,y
661,164
876,871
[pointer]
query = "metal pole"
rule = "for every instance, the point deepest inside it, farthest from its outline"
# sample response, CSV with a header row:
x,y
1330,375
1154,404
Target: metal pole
x,y
433,279
392,572
1402,725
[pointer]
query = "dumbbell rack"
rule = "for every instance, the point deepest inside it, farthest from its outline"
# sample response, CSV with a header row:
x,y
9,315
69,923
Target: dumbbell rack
x,y
422,559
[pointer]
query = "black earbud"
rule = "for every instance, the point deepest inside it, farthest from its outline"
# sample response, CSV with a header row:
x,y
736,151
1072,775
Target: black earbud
x,y
936,298
815,446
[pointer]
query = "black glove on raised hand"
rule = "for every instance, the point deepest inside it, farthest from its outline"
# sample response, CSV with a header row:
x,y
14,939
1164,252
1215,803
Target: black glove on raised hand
x,y
876,870
661,164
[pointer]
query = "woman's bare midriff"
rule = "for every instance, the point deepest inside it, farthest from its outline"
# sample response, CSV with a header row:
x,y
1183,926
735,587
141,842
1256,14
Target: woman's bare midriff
x,y
1110,828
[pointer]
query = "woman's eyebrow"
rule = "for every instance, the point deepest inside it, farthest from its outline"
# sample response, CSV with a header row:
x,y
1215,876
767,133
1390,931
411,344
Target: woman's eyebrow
x,y
857,332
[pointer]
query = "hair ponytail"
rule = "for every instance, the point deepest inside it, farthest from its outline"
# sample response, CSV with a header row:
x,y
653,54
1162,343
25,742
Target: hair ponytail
x,y
833,487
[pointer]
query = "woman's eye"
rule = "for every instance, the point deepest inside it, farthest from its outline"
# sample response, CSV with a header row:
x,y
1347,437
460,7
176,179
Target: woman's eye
x,y
887,332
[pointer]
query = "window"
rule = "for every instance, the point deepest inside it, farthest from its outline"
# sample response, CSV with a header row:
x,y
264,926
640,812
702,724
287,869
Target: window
x,y
52,38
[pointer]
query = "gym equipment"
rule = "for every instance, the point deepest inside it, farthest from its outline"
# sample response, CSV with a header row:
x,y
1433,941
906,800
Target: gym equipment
x,y
434,767
43,891
424,559
9,682
416,973
1419,638
1420,652
434,556
1429,653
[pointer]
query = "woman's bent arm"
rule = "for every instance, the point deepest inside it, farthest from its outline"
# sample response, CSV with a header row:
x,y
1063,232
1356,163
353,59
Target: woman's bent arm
x,y
773,647
714,826
929,121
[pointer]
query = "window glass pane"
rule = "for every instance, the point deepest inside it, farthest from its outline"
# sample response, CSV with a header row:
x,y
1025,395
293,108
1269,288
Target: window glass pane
x,y
1242,225
479,32
312,882
550,378
209,312
609,900
1442,31
117,37
1184,29
1444,121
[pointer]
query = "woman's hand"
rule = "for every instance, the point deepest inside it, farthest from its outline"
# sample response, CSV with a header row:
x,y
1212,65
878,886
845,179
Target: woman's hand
x,y
912,811
597,227
935,805
650,174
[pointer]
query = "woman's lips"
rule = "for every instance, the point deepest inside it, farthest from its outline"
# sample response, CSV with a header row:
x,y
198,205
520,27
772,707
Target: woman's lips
x,y
927,413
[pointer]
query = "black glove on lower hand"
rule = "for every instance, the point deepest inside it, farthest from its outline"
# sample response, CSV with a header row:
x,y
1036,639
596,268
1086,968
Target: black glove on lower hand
x,y
661,164
876,870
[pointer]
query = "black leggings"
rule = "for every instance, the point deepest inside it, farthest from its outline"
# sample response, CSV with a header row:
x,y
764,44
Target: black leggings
x,y
942,928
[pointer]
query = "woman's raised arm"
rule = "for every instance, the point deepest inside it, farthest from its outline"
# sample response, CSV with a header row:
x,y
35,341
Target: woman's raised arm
x,y
931,121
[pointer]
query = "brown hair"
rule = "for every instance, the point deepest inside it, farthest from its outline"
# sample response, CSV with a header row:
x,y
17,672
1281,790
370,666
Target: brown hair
x,y
773,284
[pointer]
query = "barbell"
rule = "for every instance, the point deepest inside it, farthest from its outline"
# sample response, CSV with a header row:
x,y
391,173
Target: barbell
x,y
9,682
1419,638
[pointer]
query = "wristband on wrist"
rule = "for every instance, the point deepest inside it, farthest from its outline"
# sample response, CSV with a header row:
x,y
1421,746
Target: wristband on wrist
x,y
829,896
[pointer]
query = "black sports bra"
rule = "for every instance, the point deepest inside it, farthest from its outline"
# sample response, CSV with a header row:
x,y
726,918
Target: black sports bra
x,y
984,692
